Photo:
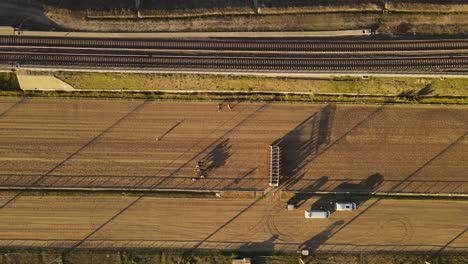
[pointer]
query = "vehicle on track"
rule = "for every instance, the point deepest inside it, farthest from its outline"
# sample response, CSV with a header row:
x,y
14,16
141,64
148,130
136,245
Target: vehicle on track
x,y
345,206
317,214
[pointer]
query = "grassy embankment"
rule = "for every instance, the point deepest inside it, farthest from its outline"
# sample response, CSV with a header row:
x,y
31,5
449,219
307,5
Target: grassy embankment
x,y
398,90
437,17
346,84
10,256
243,88
8,82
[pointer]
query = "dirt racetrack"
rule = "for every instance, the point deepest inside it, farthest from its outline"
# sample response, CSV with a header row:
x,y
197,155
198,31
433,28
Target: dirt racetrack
x,y
246,225
113,143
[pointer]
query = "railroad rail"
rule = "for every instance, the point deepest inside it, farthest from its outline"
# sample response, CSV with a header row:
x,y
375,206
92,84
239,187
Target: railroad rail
x,y
404,64
278,55
239,44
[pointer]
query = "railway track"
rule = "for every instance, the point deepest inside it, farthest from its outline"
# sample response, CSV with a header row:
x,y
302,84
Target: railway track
x,y
290,55
239,44
207,53
393,64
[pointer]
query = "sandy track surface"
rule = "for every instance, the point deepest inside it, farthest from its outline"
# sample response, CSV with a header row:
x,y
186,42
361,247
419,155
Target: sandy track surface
x,y
325,147
264,224
110,143
113,143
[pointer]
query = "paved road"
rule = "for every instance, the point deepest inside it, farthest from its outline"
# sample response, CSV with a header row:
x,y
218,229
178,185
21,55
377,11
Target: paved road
x,y
113,143
5,31
246,73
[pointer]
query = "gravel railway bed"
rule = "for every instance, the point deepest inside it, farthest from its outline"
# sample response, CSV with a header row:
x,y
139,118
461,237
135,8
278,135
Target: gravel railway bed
x,y
239,44
434,56
414,64
227,53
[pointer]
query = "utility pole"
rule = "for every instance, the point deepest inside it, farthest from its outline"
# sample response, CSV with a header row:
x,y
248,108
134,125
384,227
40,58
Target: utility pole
x,y
256,8
137,7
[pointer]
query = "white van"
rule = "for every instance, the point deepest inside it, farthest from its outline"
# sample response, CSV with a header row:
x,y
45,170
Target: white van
x,y
317,214
345,206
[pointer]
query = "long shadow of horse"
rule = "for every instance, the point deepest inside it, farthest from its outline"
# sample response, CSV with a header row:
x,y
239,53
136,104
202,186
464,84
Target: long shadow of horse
x,y
304,142
218,156
366,188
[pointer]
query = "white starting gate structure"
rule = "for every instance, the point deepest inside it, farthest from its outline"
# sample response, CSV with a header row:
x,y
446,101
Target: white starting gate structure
x,y
275,165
